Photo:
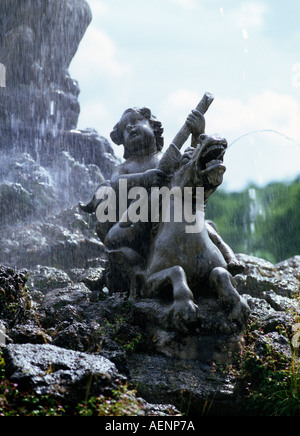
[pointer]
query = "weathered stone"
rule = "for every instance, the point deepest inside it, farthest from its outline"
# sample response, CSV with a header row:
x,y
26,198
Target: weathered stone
x,y
30,333
266,318
164,365
70,295
47,165
212,337
16,201
63,241
93,278
289,266
38,40
20,169
15,301
261,276
192,387
282,303
77,336
46,278
47,369
272,343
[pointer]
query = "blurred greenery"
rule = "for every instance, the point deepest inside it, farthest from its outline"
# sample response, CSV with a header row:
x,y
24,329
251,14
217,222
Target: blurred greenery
x,y
260,221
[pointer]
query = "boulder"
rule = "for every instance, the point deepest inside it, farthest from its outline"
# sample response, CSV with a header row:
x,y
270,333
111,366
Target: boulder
x,y
49,370
15,301
262,276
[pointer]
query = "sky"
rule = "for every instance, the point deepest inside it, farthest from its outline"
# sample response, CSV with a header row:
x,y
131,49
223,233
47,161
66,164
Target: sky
x,y
165,54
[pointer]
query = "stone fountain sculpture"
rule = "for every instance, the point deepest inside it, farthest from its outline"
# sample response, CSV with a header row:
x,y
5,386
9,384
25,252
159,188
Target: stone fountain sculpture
x,y
179,276
185,315
29,51
39,111
46,163
39,106
181,284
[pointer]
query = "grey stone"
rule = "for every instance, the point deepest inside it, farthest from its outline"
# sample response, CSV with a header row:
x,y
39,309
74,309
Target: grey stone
x,y
47,369
66,240
31,33
46,278
70,295
262,276
47,165
194,388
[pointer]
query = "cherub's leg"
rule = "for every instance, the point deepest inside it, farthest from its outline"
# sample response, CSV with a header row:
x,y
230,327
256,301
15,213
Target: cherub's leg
x,y
221,281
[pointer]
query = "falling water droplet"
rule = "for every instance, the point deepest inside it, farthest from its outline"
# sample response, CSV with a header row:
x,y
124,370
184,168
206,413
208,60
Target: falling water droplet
x,y
2,76
245,34
52,108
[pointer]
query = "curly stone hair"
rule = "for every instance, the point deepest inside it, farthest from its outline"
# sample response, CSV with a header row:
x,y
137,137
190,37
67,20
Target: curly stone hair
x,y
117,136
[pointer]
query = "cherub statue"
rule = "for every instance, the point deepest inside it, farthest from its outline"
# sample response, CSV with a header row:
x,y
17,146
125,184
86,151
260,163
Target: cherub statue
x,y
141,135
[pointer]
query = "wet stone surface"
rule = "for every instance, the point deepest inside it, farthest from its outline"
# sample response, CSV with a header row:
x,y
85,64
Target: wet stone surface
x,y
165,366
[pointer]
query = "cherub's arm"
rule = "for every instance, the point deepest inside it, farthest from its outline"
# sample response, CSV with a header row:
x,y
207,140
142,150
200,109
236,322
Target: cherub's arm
x,y
152,177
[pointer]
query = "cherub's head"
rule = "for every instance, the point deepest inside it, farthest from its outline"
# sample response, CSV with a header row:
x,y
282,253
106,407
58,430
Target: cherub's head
x,y
139,131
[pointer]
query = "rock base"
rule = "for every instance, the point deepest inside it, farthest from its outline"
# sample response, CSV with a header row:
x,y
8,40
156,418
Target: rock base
x,y
212,338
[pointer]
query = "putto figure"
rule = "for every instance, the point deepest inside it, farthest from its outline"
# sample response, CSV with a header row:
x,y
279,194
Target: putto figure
x,y
147,256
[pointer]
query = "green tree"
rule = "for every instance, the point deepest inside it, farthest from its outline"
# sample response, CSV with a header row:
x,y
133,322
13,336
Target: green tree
x,y
259,221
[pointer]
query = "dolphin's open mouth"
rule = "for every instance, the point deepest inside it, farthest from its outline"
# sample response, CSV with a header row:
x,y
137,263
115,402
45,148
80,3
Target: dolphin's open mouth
x,y
213,154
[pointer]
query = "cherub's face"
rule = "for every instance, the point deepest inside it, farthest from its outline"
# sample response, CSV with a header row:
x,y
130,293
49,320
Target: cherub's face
x,y
136,131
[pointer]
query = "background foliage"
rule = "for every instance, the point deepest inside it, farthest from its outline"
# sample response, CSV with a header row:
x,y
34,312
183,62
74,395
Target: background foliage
x,y
263,222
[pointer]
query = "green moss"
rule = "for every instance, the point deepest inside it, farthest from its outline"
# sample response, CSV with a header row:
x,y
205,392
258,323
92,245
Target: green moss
x,y
121,402
271,381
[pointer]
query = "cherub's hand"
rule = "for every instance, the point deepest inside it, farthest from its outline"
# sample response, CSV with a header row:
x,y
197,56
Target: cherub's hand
x,y
187,155
196,123
155,177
